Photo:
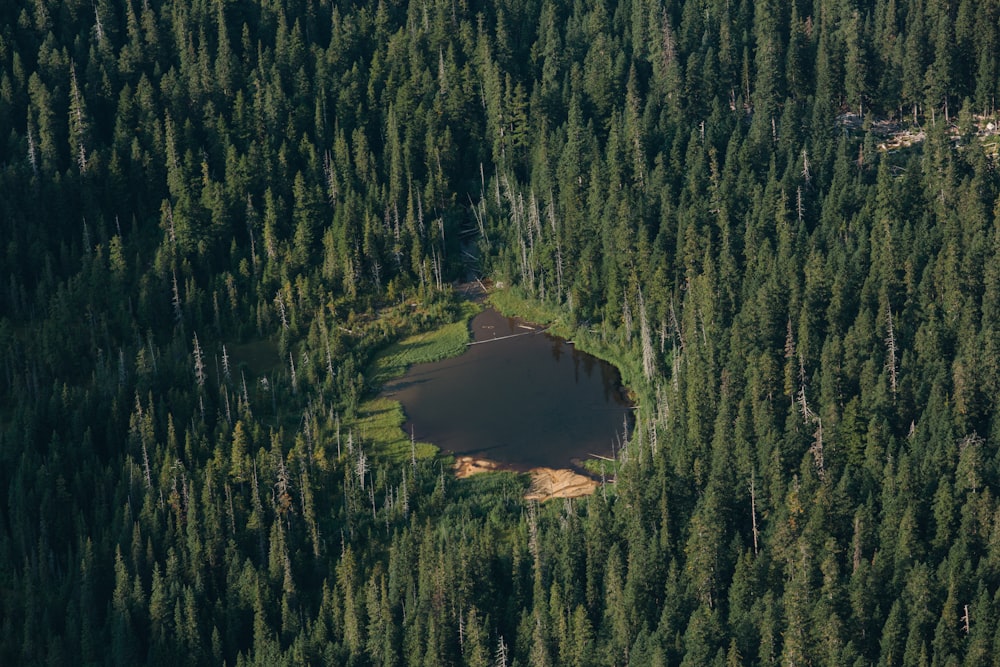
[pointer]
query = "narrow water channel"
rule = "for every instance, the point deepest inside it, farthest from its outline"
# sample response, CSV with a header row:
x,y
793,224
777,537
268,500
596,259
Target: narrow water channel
x,y
518,396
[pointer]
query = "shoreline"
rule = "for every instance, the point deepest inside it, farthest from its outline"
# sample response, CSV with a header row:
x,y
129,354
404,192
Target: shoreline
x,y
572,481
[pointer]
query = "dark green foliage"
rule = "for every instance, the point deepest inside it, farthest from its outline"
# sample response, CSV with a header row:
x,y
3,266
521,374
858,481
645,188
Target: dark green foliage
x,y
214,213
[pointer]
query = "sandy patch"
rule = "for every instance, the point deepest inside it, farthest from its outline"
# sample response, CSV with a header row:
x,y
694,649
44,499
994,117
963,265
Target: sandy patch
x,y
549,483
467,466
546,483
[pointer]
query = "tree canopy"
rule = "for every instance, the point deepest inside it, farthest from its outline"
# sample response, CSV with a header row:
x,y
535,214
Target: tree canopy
x,y
779,217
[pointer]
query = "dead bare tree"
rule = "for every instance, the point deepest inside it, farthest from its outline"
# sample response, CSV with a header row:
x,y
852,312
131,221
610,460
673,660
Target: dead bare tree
x,y
856,543
199,363
753,512
361,466
78,119
501,655
246,395
890,345
810,417
98,26
413,449
176,302
32,151
645,338
551,212
279,301
251,216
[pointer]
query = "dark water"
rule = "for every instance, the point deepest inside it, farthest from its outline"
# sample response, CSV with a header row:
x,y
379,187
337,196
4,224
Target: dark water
x,y
528,400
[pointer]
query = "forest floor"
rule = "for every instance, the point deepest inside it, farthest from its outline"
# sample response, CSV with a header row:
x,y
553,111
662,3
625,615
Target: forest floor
x,y
546,483
894,135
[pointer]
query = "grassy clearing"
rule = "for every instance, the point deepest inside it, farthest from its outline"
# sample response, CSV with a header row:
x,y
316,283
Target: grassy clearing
x,y
379,420
447,341
601,468
512,303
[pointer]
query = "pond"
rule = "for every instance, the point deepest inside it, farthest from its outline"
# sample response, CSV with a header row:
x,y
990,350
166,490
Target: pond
x,y
518,396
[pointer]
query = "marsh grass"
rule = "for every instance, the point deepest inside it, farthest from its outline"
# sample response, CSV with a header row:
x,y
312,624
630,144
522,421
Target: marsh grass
x,y
599,467
380,420
447,341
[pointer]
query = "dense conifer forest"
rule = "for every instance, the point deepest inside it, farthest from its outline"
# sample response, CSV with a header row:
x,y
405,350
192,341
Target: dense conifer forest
x,y
780,218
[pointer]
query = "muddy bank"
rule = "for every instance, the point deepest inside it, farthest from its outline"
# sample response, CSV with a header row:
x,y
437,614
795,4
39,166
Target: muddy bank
x,y
546,483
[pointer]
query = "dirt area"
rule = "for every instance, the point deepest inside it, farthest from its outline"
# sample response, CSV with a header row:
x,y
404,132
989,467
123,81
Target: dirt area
x,y
467,466
894,135
546,483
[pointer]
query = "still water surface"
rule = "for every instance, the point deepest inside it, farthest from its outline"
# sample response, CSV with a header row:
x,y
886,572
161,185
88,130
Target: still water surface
x,y
517,395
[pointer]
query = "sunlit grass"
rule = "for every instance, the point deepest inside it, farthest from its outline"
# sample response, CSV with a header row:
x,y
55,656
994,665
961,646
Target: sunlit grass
x,y
380,420
447,341
511,303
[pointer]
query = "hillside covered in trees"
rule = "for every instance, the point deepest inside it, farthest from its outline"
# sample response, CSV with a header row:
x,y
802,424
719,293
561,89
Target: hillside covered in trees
x,y
214,214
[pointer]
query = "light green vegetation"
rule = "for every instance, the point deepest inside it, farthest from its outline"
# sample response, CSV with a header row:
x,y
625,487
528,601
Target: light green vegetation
x,y
600,468
380,420
598,342
511,302
447,341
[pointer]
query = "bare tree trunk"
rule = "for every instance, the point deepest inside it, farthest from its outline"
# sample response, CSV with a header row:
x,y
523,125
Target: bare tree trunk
x,y
32,151
753,512
199,363
645,338
890,343
857,543
413,449
176,301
